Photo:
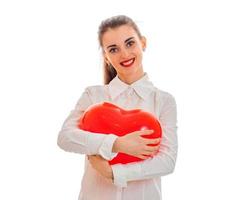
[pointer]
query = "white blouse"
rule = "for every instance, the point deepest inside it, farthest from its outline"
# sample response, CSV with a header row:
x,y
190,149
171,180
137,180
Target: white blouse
x,y
132,181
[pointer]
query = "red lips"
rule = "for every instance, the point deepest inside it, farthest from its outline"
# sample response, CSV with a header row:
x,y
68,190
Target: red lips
x,y
108,118
128,63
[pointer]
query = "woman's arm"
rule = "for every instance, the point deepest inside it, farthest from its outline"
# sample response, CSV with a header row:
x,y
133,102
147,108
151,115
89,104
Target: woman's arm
x,y
73,139
163,162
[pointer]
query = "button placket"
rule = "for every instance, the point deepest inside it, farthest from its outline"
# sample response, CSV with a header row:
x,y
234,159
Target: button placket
x,y
129,94
130,91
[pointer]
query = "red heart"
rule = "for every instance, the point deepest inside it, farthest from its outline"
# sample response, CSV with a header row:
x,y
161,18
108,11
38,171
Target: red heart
x,y
108,118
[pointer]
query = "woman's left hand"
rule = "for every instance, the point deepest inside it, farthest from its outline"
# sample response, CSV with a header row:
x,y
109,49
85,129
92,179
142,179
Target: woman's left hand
x,y
101,165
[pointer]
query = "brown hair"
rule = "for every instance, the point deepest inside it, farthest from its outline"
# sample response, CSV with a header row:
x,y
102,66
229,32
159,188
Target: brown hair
x,y
113,22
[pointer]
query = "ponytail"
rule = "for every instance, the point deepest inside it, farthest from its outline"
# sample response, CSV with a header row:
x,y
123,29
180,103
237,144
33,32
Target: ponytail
x,y
109,73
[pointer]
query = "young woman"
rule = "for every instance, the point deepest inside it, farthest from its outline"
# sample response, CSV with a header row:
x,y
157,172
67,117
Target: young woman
x,y
128,86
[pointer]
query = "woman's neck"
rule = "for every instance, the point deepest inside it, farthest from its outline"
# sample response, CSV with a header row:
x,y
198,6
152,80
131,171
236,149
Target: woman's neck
x,y
131,79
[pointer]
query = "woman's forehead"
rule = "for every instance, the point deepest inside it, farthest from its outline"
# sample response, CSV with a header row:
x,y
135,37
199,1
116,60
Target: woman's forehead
x,y
118,35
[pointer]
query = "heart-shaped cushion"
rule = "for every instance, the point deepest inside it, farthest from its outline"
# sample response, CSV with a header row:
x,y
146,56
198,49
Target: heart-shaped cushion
x,y
108,118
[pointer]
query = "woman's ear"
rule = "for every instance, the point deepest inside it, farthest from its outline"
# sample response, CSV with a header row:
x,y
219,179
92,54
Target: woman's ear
x,y
143,42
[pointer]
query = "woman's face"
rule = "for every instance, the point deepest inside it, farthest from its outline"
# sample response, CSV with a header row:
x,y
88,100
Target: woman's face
x,y
123,49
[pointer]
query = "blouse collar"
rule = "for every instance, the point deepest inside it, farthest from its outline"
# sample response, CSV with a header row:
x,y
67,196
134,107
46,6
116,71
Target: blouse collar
x,y
143,86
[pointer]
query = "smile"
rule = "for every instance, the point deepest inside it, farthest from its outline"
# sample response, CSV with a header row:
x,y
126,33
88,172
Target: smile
x,y
128,63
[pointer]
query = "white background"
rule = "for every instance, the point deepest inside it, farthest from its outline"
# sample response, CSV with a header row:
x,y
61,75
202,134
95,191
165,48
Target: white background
x,y
199,51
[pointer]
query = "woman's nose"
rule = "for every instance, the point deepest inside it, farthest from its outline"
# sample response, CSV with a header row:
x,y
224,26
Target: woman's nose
x,y
124,53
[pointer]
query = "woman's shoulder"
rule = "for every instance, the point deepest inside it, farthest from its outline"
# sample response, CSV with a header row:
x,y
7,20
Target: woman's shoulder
x,y
96,92
166,96
95,88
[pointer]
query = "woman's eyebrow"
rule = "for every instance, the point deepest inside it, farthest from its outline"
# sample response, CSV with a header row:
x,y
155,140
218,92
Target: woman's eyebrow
x,y
114,45
128,39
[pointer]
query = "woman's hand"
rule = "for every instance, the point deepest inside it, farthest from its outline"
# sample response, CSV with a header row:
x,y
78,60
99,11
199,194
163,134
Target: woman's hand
x,y
101,165
135,145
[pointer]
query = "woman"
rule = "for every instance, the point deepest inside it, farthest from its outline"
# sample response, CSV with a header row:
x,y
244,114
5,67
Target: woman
x,y
128,86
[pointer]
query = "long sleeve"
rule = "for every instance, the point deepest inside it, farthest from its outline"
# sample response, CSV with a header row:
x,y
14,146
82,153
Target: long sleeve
x,y
73,139
163,162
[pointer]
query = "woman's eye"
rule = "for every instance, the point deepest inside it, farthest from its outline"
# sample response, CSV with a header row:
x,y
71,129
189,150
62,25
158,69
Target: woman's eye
x,y
113,50
130,43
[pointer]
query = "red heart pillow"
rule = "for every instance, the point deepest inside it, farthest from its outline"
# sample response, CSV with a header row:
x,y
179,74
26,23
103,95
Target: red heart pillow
x,y
108,118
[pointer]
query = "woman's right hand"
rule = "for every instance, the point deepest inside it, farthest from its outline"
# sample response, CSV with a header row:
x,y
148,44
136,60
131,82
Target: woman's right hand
x,y
135,145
